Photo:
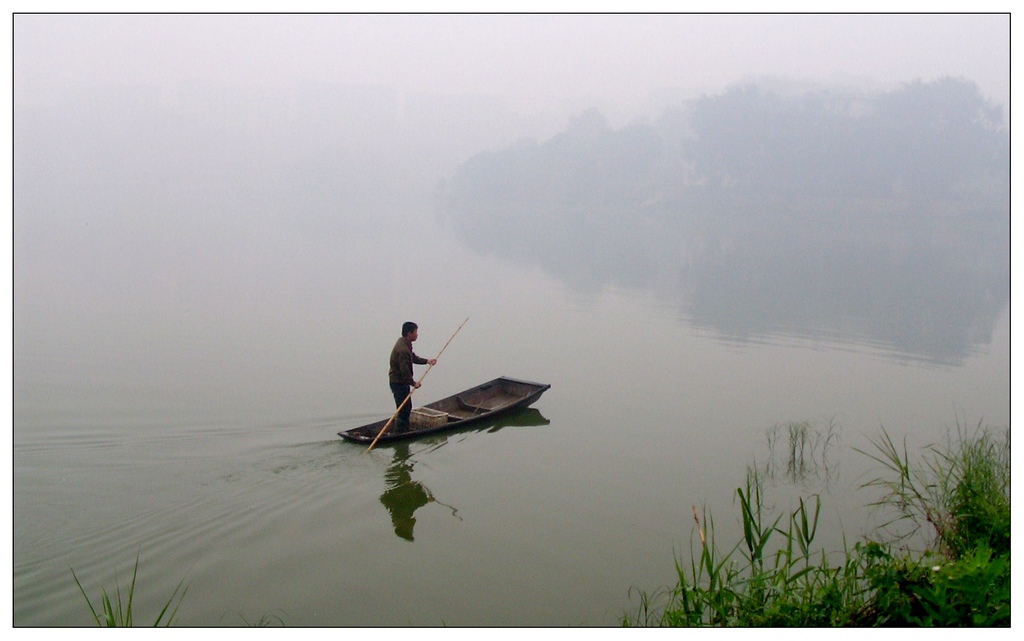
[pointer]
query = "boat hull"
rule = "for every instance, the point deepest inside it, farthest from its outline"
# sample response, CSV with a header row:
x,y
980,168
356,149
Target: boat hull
x,y
486,401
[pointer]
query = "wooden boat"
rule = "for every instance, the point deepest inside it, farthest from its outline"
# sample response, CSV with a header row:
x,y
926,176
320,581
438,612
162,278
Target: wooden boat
x,y
501,396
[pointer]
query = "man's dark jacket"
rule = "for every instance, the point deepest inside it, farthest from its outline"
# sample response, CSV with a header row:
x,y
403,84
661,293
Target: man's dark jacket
x,y
402,359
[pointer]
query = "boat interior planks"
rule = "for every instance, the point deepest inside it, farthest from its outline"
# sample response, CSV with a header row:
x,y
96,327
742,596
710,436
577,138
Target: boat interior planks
x,y
501,396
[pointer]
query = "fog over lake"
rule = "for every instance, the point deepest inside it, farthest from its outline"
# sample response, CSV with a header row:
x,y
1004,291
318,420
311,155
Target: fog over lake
x,y
696,228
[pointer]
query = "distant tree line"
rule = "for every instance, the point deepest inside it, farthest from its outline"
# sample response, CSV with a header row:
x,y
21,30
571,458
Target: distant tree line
x,y
882,215
925,140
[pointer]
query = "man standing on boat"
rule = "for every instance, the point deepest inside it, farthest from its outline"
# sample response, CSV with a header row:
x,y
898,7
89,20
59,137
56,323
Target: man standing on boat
x,y
400,374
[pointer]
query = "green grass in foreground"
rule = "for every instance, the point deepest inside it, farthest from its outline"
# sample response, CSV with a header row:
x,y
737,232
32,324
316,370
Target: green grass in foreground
x,y
775,577
119,611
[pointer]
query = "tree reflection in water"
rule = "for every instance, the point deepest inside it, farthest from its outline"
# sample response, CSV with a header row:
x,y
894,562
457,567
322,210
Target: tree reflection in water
x,y
876,220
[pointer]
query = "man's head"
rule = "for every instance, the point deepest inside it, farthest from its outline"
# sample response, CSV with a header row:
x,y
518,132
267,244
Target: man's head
x,y
409,327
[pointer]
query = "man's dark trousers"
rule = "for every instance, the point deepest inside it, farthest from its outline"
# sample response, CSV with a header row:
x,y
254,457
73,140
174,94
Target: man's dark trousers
x,y
400,391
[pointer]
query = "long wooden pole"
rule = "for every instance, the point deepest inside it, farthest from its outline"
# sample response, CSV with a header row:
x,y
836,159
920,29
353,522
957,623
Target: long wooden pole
x,y
409,397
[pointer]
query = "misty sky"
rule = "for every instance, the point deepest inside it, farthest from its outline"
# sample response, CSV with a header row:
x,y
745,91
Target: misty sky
x,y
539,62
553,64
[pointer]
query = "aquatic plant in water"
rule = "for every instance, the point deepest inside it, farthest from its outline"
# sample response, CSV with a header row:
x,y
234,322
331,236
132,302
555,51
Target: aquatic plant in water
x,y
799,452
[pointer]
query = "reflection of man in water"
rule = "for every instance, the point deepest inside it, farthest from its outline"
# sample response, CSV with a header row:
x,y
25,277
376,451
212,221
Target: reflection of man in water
x,y
403,496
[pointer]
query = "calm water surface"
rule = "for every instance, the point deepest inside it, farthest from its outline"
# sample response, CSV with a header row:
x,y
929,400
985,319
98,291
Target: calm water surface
x,y
201,437
211,266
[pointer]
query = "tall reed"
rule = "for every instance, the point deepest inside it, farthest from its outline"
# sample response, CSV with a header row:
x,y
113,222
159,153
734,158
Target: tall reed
x,y
960,489
774,576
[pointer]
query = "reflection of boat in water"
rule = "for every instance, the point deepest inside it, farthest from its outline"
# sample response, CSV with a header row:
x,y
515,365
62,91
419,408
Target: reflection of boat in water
x,y
491,400
404,495
530,417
